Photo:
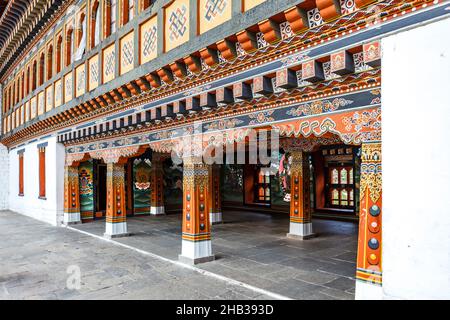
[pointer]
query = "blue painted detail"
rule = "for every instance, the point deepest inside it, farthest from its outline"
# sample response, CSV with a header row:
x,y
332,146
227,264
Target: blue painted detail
x,y
119,115
85,125
374,210
373,244
69,130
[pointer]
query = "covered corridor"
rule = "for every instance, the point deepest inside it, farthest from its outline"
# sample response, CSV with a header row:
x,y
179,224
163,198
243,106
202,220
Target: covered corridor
x,y
253,248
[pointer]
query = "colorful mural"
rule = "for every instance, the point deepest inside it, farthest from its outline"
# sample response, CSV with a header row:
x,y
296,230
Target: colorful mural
x,y
86,177
280,182
141,186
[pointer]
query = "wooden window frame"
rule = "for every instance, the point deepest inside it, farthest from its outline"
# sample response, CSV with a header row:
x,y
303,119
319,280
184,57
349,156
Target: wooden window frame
x,y
70,37
27,86
21,182
22,87
341,186
59,53
144,4
95,7
41,68
49,62
108,15
34,75
42,193
264,185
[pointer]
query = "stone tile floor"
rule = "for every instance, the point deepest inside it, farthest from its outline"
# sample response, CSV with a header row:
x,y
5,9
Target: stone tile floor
x,y
252,248
249,247
34,259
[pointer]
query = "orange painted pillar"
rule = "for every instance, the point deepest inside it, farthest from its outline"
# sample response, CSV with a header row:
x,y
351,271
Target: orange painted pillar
x,y
196,232
369,264
116,211
215,206
71,196
157,185
300,226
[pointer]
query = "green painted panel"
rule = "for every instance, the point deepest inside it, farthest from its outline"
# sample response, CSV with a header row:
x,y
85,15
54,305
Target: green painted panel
x,y
86,180
141,186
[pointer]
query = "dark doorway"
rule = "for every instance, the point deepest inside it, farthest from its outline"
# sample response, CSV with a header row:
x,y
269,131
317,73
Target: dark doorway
x,y
100,198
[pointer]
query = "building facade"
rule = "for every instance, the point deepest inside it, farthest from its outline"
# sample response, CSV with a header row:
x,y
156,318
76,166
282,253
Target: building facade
x,y
109,109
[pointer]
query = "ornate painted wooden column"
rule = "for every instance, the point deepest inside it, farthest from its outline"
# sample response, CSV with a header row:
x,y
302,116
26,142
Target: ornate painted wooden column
x,y
300,226
369,264
116,211
196,234
71,195
116,215
215,206
157,184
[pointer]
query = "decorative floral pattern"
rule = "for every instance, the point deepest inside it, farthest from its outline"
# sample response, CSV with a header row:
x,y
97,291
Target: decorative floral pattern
x,y
314,18
319,106
261,117
286,30
364,119
260,40
223,124
347,6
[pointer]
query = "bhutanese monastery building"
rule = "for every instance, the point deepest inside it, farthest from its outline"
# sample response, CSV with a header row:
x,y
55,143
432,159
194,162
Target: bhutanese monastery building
x,y
310,109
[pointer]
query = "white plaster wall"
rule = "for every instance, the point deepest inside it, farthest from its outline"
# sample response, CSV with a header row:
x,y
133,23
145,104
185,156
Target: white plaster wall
x,y
416,163
4,177
51,209
4,164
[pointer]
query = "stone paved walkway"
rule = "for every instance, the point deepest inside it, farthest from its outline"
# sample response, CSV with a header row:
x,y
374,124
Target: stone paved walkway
x,y
34,258
253,248
249,247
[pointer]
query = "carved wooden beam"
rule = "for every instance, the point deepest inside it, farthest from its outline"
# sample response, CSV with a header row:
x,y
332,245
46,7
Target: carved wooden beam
x,y
227,49
209,56
342,63
143,84
312,71
179,69
116,95
329,9
134,88
247,40
154,80
165,74
193,63
271,30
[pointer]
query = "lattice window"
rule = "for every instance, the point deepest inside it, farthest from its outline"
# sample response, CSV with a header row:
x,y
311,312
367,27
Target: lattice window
x,y
262,185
